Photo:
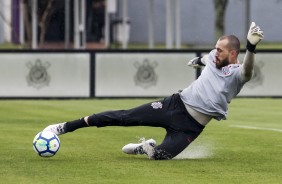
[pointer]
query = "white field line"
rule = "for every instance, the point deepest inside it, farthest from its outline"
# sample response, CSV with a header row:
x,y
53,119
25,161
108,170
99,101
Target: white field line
x,y
256,128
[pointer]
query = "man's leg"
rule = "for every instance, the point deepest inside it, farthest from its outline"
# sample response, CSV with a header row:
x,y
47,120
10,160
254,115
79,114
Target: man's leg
x,y
144,115
173,144
181,129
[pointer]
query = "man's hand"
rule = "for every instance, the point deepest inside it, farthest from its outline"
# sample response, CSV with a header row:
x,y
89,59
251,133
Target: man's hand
x,y
196,62
255,35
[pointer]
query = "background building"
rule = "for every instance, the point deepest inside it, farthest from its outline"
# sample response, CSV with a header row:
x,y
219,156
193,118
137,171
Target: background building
x,y
196,18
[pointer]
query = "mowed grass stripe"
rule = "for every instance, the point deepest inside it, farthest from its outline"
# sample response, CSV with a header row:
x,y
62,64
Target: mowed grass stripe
x,y
222,154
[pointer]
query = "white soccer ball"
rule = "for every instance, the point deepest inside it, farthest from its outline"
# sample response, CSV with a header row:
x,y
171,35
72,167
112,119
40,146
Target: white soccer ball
x,y
46,144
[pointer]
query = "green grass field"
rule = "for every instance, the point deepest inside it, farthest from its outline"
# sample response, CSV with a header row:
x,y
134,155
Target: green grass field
x,y
247,148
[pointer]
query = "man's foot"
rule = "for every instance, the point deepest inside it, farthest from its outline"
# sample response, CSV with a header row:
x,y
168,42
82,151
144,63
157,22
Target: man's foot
x,y
140,148
57,129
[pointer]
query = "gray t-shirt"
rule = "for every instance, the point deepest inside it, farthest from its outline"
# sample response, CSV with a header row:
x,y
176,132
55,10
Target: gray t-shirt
x,y
211,93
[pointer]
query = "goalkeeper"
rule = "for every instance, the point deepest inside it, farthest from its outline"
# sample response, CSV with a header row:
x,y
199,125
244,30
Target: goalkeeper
x,y
184,115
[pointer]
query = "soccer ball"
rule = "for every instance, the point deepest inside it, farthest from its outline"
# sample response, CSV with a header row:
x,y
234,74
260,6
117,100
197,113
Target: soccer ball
x,y
46,144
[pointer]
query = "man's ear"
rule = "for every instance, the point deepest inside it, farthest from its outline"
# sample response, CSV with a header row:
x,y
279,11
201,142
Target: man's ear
x,y
234,53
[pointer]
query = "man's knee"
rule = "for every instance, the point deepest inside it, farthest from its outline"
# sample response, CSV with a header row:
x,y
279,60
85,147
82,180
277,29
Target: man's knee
x,y
91,120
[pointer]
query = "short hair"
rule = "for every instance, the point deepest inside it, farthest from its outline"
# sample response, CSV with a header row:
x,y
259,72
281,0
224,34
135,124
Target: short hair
x,y
233,42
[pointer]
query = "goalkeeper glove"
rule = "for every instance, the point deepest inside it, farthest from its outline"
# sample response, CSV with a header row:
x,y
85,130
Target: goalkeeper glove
x,y
196,62
255,35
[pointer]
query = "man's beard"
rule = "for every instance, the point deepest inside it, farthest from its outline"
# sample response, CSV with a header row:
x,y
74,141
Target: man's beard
x,y
221,64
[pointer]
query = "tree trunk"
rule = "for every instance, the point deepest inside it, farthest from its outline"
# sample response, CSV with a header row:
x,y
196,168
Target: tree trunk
x,y
220,7
44,21
27,23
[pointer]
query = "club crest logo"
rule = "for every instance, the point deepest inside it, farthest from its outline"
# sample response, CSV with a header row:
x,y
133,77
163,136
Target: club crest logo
x,y
146,75
38,76
228,70
157,105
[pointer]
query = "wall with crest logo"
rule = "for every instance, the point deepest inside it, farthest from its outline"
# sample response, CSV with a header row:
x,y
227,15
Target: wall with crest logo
x,y
87,74
44,74
142,74
266,80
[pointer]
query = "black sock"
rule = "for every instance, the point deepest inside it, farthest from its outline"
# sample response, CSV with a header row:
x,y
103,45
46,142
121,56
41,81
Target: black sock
x,y
73,125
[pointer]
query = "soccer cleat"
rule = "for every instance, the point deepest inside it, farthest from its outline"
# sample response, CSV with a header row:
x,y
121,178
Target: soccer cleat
x,y
57,129
140,148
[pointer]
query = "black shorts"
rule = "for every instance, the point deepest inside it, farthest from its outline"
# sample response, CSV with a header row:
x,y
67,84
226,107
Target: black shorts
x,y
169,113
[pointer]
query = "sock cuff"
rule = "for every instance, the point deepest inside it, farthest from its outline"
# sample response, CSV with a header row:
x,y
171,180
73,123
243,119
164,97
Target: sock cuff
x,y
73,125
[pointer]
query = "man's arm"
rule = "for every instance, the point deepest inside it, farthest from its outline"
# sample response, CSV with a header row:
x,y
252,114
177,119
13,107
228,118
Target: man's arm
x,y
255,35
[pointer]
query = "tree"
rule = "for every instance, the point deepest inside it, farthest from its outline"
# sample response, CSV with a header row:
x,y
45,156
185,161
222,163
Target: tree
x,y
220,7
27,23
43,19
